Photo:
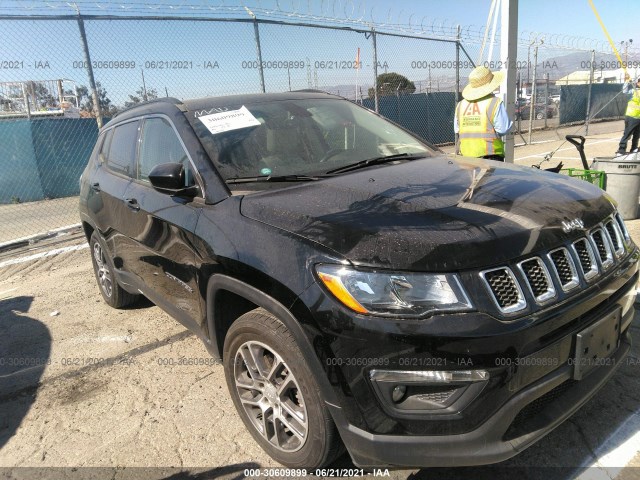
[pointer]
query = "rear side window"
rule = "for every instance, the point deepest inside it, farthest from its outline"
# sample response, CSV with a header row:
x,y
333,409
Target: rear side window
x,y
159,144
122,149
104,148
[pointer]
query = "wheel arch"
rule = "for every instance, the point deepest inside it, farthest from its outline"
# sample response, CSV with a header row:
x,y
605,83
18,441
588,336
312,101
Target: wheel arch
x,y
221,286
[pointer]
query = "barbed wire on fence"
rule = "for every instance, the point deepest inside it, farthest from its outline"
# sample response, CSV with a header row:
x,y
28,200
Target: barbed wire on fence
x,y
339,12
66,72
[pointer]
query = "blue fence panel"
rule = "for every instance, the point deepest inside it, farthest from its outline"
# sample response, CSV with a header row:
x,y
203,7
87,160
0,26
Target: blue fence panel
x,y
62,147
19,176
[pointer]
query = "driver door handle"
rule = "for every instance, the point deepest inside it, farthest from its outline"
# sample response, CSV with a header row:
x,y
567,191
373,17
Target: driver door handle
x,y
132,203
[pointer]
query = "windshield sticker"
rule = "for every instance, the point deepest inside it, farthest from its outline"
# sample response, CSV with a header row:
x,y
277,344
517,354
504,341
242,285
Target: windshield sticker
x,y
232,120
265,171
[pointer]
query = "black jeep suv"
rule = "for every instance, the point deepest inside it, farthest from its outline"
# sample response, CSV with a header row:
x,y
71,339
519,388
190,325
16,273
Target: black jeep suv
x,y
360,287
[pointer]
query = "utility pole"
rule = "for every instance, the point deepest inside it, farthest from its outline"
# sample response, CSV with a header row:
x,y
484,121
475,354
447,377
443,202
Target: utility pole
x,y
532,102
509,55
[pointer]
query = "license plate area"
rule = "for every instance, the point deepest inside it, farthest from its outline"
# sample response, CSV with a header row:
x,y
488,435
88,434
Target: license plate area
x,y
596,343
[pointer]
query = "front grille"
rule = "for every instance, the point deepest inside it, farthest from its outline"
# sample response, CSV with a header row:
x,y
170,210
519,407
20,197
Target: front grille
x,y
586,259
525,421
623,229
538,278
437,397
564,268
505,289
602,247
616,237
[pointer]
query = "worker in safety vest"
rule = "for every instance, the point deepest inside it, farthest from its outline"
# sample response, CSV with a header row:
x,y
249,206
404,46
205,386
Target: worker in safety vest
x,y
631,117
481,118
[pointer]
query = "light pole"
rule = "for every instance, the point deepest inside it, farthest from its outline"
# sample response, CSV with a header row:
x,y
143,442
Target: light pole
x,y
625,44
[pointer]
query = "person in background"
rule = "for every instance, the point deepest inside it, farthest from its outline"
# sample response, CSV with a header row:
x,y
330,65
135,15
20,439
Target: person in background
x,y
481,118
631,117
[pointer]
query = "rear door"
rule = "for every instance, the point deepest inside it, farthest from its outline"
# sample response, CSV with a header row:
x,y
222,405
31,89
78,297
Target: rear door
x,y
161,226
108,183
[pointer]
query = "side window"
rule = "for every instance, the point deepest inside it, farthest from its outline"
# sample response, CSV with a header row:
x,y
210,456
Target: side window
x,y
122,151
160,144
104,148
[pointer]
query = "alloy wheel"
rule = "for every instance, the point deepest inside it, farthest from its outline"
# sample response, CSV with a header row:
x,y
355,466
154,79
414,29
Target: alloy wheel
x,y
102,270
271,396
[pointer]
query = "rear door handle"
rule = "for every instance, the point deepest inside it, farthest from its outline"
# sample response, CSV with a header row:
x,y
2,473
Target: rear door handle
x,y
95,187
132,203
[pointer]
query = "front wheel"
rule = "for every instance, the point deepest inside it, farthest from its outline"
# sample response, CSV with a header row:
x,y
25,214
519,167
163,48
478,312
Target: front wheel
x,y
276,394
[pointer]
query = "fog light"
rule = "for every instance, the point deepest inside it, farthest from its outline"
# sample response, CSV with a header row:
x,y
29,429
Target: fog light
x,y
398,393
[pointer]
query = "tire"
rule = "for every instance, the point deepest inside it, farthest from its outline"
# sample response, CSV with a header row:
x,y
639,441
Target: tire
x,y
539,116
274,392
112,293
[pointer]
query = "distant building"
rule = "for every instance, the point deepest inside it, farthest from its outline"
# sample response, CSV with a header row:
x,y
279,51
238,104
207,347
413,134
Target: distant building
x,y
581,77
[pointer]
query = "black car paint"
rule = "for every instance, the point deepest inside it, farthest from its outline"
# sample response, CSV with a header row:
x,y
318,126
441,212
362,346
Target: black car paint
x,y
261,243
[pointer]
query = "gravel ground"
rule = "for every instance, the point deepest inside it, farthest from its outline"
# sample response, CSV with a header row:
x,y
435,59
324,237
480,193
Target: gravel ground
x,y
87,391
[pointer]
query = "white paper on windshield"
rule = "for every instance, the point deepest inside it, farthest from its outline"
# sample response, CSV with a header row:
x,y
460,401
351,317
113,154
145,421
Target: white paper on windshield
x,y
231,120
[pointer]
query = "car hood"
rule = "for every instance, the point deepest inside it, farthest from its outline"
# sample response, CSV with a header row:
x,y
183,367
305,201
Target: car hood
x,y
435,214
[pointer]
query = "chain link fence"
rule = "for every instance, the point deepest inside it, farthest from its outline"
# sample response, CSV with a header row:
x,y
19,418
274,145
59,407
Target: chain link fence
x,y
62,76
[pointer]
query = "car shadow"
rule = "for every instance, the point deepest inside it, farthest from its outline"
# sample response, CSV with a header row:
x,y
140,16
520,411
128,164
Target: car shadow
x,y
598,428
25,346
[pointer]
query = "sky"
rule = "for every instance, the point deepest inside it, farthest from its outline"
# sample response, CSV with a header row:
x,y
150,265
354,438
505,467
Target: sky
x,y
187,59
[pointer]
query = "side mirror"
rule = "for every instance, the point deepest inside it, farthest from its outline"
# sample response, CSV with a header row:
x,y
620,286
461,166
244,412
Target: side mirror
x,y
169,178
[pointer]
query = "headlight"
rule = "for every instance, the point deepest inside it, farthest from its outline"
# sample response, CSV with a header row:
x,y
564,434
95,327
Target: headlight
x,y
384,293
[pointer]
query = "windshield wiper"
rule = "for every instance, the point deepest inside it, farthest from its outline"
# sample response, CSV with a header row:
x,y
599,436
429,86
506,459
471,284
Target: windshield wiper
x,y
375,161
275,178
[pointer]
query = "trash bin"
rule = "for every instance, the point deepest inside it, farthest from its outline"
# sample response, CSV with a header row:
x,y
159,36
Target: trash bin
x,y
623,182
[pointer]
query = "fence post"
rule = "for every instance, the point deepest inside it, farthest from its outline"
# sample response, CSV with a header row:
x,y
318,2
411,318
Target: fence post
x,y
26,101
532,102
256,35
593,61
546,98
457,67
375,70
92,82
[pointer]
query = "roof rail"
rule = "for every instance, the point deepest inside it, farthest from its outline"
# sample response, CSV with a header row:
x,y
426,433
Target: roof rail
x,y
171,100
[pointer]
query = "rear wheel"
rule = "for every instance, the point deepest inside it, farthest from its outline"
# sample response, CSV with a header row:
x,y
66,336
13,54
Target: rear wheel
x,y
112,293
276,394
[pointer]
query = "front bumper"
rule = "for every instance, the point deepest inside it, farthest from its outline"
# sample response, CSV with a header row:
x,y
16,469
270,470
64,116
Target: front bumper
x,y
518,405
557,397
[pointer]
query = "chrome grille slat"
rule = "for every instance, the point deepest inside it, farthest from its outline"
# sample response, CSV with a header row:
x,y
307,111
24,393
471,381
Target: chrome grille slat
x,y
538,279
506,291
586,258
615,236
623,229
565,268
603,248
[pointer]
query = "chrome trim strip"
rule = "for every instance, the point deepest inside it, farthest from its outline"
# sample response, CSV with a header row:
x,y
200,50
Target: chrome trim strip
x,y
608,261
551,291
521,303
593,271
429,376
575,279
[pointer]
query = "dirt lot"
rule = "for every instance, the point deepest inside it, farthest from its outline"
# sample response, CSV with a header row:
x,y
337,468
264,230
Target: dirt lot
x,y
133,395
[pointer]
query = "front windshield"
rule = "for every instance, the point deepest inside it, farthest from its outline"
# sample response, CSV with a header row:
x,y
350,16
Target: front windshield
x,y
300,137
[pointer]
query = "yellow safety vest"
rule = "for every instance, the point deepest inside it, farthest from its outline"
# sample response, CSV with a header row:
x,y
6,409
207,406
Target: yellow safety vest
x,y
633,107
475,126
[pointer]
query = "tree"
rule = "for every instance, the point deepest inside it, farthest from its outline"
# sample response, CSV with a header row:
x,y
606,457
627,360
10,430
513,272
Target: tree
x,y
39,95
141,96
85,99
388,84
